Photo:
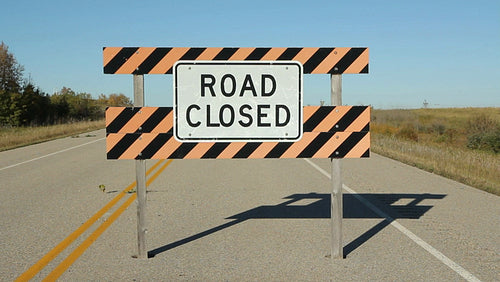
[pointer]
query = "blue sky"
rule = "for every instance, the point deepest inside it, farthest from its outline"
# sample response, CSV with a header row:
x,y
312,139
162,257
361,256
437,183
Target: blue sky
x,y
445,52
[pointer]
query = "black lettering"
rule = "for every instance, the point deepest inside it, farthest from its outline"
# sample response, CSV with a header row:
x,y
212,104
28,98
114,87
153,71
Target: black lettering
x,y
287,119
205,84
248,85
209,123
261,115
188,119
223,85
263,85
246,115
231,115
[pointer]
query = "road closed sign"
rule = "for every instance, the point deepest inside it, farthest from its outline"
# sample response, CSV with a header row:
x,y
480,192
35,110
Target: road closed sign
x,y
234,101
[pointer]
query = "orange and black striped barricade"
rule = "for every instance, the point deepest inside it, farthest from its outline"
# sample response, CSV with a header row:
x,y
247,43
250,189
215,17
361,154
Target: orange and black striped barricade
x,y
147,133
160,60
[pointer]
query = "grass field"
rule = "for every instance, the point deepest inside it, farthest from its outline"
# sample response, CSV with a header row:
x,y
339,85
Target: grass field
x,y
462,144
13,137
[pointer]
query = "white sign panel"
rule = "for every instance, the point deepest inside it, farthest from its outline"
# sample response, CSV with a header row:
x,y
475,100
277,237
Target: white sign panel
x,y
231,101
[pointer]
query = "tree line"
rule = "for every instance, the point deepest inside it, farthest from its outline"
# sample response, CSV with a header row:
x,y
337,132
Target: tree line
x,y
24,104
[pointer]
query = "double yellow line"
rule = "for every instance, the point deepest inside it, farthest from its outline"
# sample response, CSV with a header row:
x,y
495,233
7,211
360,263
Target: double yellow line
x,y
66,263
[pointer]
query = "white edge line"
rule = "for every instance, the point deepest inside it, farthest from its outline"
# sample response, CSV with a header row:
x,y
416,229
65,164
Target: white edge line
x,y
440,256
51,154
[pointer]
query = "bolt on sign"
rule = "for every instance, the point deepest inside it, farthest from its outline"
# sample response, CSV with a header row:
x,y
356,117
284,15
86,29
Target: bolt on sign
x,y
237,101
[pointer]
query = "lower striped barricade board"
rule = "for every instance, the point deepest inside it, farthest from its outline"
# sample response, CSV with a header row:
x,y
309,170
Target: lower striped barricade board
x,y
147,133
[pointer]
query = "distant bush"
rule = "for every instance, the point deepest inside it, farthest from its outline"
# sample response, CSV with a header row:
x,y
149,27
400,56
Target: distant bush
x,y
449,135
408,132
489,141
484,134
439,128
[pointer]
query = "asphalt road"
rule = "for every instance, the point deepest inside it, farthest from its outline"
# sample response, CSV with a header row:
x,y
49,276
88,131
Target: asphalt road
x,y
243,220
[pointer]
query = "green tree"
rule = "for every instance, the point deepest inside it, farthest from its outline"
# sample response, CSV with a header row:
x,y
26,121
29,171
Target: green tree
x,y
11,72
10,82
119,100
36,105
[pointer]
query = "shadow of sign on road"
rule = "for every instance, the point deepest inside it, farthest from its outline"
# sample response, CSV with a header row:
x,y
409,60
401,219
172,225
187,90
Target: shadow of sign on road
x,y
317,206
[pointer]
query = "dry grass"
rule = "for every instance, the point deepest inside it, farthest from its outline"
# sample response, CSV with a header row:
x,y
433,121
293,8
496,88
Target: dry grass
x,y
436,140
22,136
474,168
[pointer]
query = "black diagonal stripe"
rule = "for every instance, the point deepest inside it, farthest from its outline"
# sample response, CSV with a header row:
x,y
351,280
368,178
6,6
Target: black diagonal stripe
x,y
367,127
278,150
317,118
192,54
153,59
257,54
182,151
225,54
157,117
348,118
315,145
155,145
347,145
365,69
121,120
122,146
247,150
316,59
289,54
215,150
366,154
347,60
118,60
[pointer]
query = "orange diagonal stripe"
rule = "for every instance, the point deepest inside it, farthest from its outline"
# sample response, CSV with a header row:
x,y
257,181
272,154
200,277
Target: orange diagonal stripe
x,y
109,53
165,125
209,53
360,148
167,149
241,54
299,146
169,60
329,147
199,150
231,150
273,54
112,139
263,150
359,63
135,60
305,54
308,111
137,120
360,122
137,147
332,118
333,58
112,113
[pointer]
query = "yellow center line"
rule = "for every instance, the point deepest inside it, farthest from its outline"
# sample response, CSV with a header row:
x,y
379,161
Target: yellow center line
x,y
38,266
91,239
64,265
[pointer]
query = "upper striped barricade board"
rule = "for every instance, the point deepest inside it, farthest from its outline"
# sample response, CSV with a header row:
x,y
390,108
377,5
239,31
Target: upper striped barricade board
x,y
160,60
147,133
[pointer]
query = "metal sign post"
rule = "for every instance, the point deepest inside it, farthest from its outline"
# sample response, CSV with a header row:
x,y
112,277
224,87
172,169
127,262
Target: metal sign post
x,y
140,170
336,195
